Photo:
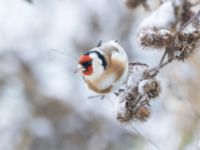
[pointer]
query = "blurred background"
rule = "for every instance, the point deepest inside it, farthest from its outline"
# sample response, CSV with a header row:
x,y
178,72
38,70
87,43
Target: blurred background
x,y
45,106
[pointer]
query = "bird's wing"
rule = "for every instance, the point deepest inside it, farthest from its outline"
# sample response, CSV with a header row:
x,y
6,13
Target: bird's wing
x,y
109,53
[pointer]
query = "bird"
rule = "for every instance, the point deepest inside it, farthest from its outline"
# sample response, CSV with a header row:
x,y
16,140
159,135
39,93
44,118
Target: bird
x,y
104,68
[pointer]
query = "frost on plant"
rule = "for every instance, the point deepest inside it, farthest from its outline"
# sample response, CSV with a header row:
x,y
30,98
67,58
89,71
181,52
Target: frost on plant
x,y
141,88
169,30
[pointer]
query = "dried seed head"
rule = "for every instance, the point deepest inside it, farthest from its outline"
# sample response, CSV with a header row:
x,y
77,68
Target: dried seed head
x,y
146,38
165,36
143,113
124,117
149,39
123,110
133,104
150,88
136,74
185,44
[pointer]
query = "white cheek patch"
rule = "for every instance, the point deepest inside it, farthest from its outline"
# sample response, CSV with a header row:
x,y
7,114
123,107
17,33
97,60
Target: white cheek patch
x,y
93,55
97,67
95,60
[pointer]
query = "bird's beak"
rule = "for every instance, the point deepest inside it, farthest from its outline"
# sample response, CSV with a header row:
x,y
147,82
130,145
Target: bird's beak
x,y
79,69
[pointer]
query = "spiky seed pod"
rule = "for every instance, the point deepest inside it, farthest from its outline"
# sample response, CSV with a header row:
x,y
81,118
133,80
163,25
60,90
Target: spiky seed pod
x,y
185,44
131,4
155,39
165,37
132,104
124,115
146,38
150,88
137,71
124,106
143,113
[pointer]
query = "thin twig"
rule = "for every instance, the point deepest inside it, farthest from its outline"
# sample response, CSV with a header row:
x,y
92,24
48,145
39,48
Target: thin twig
x,y
96,96
137,63
157,69
166,63
163,58
189,21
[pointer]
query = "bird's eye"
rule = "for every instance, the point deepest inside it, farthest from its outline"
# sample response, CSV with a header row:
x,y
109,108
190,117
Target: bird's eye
x,y
86,64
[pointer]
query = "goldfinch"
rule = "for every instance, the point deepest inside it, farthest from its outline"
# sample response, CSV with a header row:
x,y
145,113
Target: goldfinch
x,y
104,68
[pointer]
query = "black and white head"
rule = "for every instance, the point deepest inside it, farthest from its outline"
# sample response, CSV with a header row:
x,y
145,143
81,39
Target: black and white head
x,y
92,64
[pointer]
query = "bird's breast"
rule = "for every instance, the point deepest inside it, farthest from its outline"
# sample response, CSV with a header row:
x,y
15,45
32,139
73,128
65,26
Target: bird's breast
x,y
109,80
98,87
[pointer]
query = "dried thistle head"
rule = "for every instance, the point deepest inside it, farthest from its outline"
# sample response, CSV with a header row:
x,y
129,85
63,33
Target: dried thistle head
x,y
133,103
143,113
150,88
180,45
137,71
142,86
155,39
185,44
124,116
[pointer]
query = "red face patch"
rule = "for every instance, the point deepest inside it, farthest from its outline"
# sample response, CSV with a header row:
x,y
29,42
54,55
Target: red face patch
x,y
86,62
88,71
84,58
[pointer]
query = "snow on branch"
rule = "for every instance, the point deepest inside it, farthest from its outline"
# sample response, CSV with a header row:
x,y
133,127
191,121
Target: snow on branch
x,y
160,31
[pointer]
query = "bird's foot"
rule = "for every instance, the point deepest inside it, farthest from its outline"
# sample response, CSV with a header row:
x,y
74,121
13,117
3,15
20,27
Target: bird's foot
x,y
97,96
119,91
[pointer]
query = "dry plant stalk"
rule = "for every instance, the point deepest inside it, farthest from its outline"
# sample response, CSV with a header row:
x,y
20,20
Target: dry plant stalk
x,y
133,102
